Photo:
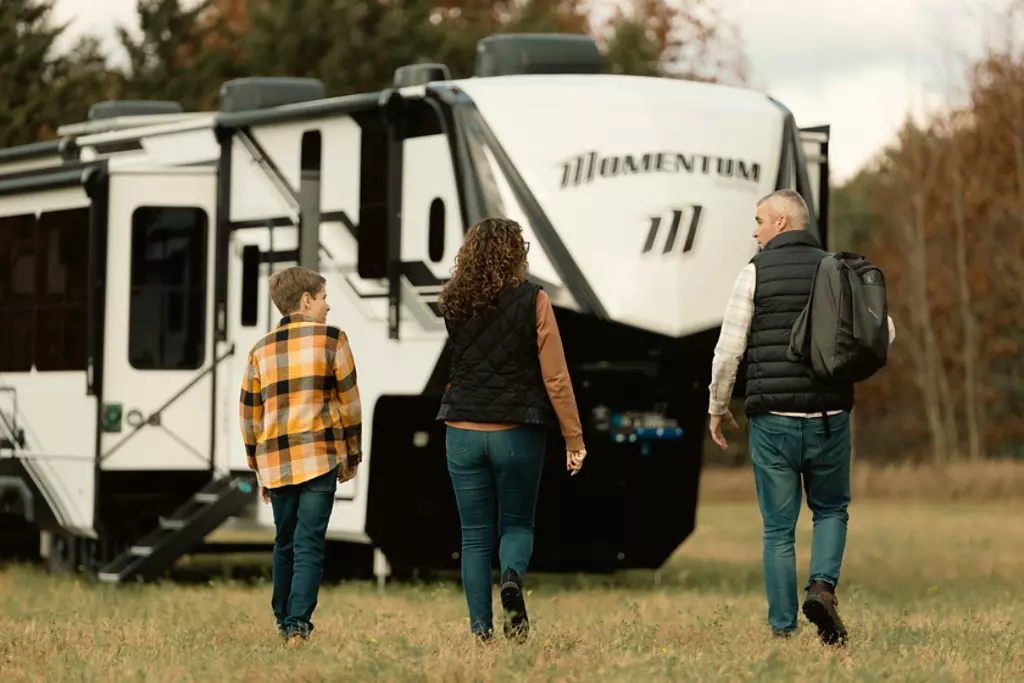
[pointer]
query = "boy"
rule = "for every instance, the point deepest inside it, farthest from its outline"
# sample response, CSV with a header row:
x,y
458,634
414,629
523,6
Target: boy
x,y
301,424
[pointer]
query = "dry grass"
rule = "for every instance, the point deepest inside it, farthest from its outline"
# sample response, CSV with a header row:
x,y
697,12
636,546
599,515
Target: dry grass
x,y
931,593
987,480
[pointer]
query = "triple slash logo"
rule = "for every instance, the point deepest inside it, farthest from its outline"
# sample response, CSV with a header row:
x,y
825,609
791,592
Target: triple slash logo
x,y
676,218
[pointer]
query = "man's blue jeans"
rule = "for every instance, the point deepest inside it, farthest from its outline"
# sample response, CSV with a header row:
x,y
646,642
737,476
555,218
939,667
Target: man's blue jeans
x,y
787,451
502,467
301,513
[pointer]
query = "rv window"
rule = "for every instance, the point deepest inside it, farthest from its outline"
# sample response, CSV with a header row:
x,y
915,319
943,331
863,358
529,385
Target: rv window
x,y
167,317
309,199
435,228
250,284
60,342
18,279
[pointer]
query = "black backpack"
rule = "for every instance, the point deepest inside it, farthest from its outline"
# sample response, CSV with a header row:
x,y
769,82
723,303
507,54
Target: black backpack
x,y
843,331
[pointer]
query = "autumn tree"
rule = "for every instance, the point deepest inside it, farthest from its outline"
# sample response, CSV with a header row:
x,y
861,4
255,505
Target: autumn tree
x,y
688,39
948,197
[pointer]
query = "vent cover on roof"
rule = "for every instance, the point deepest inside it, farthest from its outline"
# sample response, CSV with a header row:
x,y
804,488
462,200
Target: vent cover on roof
x,y
263,92
537,53
118,108
420,74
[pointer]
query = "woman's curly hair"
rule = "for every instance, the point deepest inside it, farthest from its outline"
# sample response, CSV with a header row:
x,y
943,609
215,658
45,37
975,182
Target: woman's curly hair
x,y
491,260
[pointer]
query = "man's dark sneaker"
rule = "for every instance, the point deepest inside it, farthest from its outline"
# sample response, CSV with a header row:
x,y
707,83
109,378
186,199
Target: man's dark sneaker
x,y
782,635
484,636
820,609
517,624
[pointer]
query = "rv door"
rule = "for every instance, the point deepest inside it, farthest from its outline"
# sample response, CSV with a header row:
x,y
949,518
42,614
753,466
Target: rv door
x,y
814,141
158,338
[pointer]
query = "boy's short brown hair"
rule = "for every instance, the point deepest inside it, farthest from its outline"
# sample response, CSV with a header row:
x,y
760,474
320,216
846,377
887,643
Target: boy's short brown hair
x,y
287,287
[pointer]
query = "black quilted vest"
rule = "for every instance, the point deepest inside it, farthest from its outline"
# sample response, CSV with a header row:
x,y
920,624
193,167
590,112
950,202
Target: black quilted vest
x,y
495,373
785,273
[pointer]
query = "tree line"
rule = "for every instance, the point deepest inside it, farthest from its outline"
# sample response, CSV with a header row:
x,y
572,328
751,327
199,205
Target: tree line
x,y
184,51
941,211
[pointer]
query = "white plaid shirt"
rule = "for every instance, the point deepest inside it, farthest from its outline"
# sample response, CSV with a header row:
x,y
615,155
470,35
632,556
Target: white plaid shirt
x,y
732,343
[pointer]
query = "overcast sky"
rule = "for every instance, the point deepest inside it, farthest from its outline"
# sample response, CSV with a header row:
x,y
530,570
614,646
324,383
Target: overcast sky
x,y
859,66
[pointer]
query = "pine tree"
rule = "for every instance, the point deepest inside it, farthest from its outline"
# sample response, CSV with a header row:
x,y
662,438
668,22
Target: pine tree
x,y
41,89
355,46
182,55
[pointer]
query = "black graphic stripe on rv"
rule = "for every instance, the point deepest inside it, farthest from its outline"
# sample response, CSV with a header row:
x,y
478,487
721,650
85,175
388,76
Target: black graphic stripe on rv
x,y
284,221
792,158
259,154
417,272
474,129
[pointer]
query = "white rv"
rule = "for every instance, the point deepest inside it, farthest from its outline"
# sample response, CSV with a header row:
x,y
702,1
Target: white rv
x,y
135,252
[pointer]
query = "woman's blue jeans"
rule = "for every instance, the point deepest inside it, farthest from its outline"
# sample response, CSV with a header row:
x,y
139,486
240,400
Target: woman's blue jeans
x,y
494,470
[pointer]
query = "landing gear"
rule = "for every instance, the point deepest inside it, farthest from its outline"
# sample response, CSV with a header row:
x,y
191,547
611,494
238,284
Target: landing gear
x,y
380,569
67,554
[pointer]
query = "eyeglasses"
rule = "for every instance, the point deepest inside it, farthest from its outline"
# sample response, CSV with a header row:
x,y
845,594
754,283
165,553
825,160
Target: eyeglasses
x,y
527,243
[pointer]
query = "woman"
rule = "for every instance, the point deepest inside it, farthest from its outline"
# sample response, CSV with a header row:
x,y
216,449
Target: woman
x,y
508,382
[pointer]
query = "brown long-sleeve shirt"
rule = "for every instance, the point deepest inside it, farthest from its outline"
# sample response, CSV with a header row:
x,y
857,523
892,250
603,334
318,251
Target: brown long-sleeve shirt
x,y
556,380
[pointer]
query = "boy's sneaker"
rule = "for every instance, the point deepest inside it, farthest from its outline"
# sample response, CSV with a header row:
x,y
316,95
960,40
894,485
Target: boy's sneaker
x,y
517,624
820,609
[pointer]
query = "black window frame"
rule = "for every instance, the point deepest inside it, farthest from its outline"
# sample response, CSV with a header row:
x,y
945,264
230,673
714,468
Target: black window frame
x,y
197,289
56,335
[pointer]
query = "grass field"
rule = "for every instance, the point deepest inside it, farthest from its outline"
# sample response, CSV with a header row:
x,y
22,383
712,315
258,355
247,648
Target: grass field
x,y
930,593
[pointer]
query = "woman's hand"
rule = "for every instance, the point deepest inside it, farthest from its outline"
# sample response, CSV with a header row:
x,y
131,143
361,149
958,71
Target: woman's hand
x,y
574,460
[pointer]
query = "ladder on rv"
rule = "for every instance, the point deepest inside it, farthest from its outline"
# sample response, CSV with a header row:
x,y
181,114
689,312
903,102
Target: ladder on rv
x,y
185,528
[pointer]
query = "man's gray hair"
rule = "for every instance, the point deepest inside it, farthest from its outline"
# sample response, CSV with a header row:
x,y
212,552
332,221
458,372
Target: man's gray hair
x,y
788,203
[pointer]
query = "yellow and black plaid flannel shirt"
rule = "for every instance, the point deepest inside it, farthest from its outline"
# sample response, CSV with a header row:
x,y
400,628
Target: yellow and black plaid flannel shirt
x,y
300,409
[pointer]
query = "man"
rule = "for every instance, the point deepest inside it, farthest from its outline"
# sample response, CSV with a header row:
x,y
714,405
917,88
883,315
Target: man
x,y
799,426
301,423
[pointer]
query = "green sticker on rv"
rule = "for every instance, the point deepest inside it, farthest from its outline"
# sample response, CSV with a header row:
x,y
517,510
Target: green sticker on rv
x,y
111,417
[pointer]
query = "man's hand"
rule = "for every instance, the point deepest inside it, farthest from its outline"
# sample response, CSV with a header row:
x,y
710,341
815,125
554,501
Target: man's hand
x,y
716,428
264,494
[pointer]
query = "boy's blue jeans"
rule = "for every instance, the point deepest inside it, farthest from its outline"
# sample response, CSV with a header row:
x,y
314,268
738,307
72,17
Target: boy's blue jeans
x,y
492,468
787,452
301,514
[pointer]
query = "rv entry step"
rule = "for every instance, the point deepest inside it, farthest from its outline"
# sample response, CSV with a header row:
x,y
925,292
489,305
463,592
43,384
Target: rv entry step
x,y
183,530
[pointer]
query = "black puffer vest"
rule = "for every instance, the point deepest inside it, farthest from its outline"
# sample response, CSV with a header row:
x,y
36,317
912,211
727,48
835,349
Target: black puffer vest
x,y
495,373
785,274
